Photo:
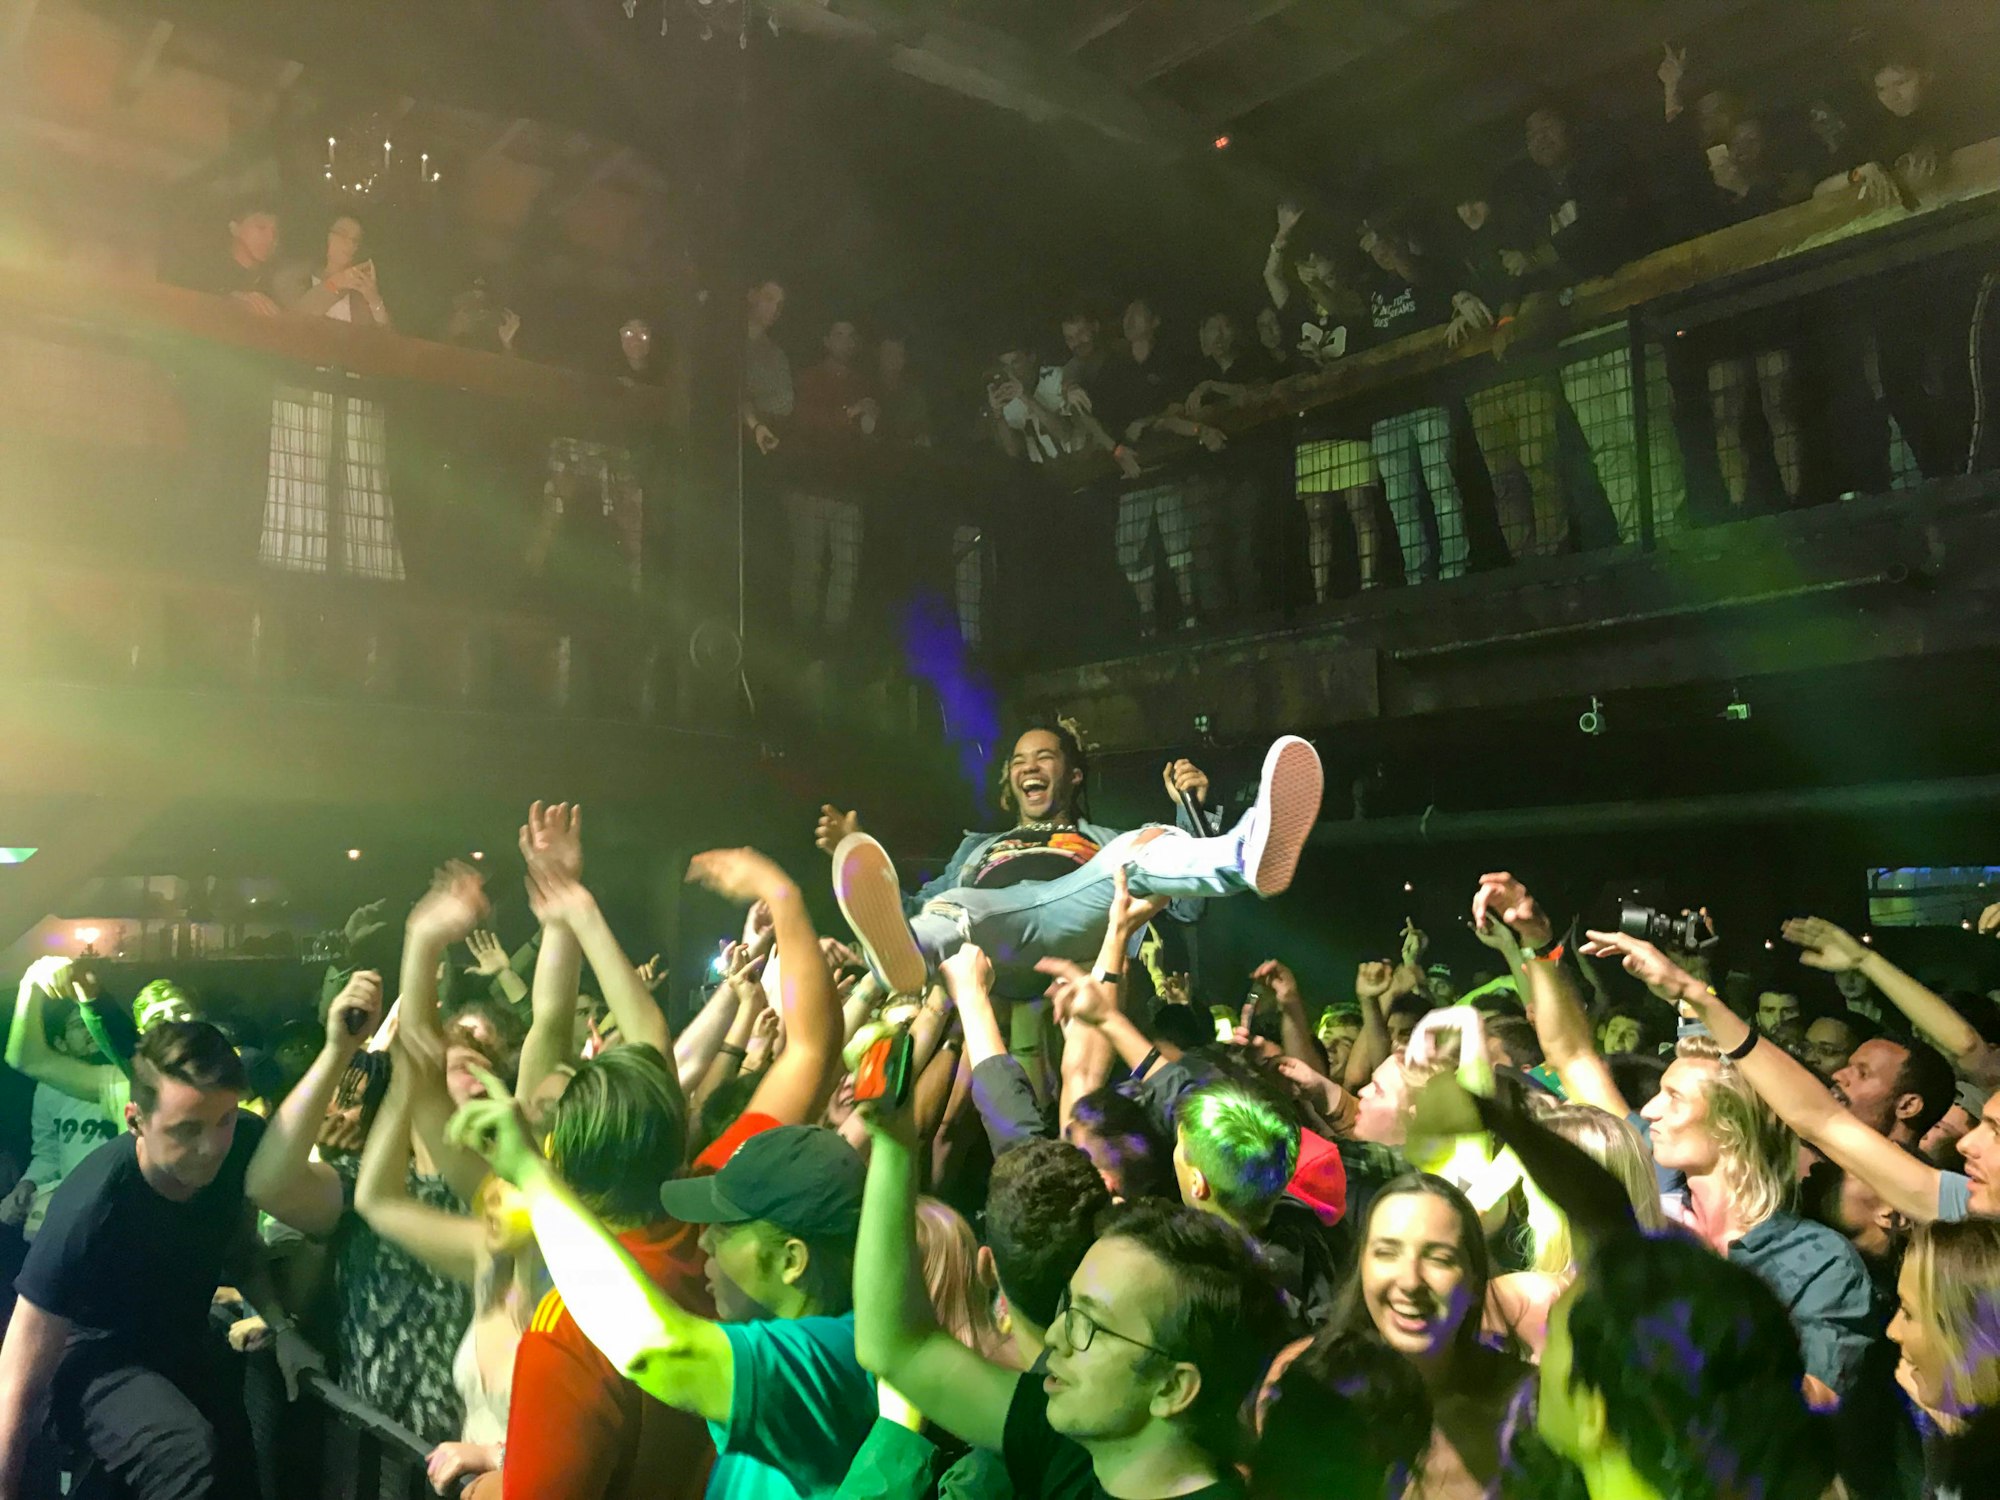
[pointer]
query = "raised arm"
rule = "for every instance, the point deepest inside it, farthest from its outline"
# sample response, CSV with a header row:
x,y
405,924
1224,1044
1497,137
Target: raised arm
x,y
1001,1091
795,1088
896,1333
448,1243
558,898
453,906
551,1039
671,1354
28,1049
1371,1048
1905,1182
283,1179
1274,261
1294,1026
1825,946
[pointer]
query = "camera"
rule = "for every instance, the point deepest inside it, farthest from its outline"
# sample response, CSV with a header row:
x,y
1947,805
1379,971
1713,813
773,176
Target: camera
x,y
1690,931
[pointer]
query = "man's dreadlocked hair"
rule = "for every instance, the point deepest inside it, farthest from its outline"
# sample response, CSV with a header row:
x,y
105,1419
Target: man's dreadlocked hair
x,y
1069,735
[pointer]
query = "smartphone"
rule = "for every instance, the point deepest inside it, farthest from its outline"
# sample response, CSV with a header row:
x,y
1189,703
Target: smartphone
x,y
884,1070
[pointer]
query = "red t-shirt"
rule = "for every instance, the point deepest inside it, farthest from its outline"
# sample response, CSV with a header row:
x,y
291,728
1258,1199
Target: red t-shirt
x,y
579,1430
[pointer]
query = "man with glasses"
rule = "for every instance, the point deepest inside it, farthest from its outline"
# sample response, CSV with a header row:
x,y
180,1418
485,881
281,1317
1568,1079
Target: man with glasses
x,y
1154,1347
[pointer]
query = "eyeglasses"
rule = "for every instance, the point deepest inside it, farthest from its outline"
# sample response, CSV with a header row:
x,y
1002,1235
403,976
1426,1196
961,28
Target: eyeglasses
x,y
1079,1328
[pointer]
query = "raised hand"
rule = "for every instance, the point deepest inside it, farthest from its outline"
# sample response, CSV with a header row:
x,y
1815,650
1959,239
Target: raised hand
x,y
651,974
1645,963
1289,214
763,1037
355,1010
1372,979
1307,1082
552,839
1824,945
1501,895
968,971
1416,943
1185,779
1283,982
488,957
833,826
495,1128
1126,916
1989,920
1673,68
554,897
1078,995
738,875
453,907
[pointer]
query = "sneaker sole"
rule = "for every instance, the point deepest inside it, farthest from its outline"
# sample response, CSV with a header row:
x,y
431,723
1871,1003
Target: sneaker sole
x,y
1288,796
864,883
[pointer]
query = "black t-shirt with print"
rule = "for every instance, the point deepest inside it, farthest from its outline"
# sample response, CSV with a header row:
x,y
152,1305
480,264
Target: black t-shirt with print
x,y
1044,1465
1033,853
133,1271
1398,308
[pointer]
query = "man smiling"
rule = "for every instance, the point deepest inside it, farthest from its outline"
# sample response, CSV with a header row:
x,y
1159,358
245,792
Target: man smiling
x,y
1043,889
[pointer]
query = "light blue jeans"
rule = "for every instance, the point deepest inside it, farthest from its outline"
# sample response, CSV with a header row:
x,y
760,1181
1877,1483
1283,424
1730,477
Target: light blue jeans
x,y
1406,445
1064,918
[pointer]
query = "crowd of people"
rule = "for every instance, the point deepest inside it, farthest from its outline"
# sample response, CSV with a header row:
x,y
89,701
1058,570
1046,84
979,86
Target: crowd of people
x,y
1472,466
977,1197
1779,409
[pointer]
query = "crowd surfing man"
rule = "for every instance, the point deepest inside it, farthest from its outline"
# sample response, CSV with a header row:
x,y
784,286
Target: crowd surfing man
x,y
1043,889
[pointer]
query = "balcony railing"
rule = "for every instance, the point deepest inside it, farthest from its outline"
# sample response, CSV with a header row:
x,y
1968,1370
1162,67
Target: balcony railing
x,y
1824,350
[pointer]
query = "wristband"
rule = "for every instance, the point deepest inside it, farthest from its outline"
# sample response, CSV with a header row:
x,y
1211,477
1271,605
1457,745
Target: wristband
x,y
1106,976
1146,1063
1743,1048
730,1050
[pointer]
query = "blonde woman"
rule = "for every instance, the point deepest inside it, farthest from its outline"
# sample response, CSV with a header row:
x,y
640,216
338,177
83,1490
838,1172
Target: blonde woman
x,y
1735,1170
1518,1303
963,1306
492,1250
1947,1325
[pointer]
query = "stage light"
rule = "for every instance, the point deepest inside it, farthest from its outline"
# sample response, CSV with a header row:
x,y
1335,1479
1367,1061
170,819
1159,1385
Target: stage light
x,y
717,966
1408,888
1222,143
16,856
354,854
1592,722
479,854
87,935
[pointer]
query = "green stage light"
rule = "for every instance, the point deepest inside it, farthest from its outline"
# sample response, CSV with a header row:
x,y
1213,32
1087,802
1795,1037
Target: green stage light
x,y
16,856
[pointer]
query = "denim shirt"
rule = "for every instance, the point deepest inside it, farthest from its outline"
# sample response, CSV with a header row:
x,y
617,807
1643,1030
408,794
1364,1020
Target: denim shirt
x,y
1824,1285
973,849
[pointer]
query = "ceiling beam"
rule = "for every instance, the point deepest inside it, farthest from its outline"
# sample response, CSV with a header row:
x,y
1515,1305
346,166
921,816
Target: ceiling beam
x,y
135,78
1178,35
1349,32
600,171
1101,19
499,144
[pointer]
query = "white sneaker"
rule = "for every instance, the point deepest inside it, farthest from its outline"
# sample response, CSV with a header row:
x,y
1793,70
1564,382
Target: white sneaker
x,y
864,883
1287,807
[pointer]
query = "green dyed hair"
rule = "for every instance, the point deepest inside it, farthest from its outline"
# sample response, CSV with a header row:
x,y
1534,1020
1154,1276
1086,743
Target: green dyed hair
x,y
1244,1147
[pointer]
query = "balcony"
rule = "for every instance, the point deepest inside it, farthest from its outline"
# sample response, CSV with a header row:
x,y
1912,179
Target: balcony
x,y
1713,561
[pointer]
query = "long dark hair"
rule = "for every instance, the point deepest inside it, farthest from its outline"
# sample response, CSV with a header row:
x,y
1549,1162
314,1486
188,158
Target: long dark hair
x,y
1351,1312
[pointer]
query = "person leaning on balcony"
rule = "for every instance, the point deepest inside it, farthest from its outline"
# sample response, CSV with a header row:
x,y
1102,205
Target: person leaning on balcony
x,y
343,288
243,270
